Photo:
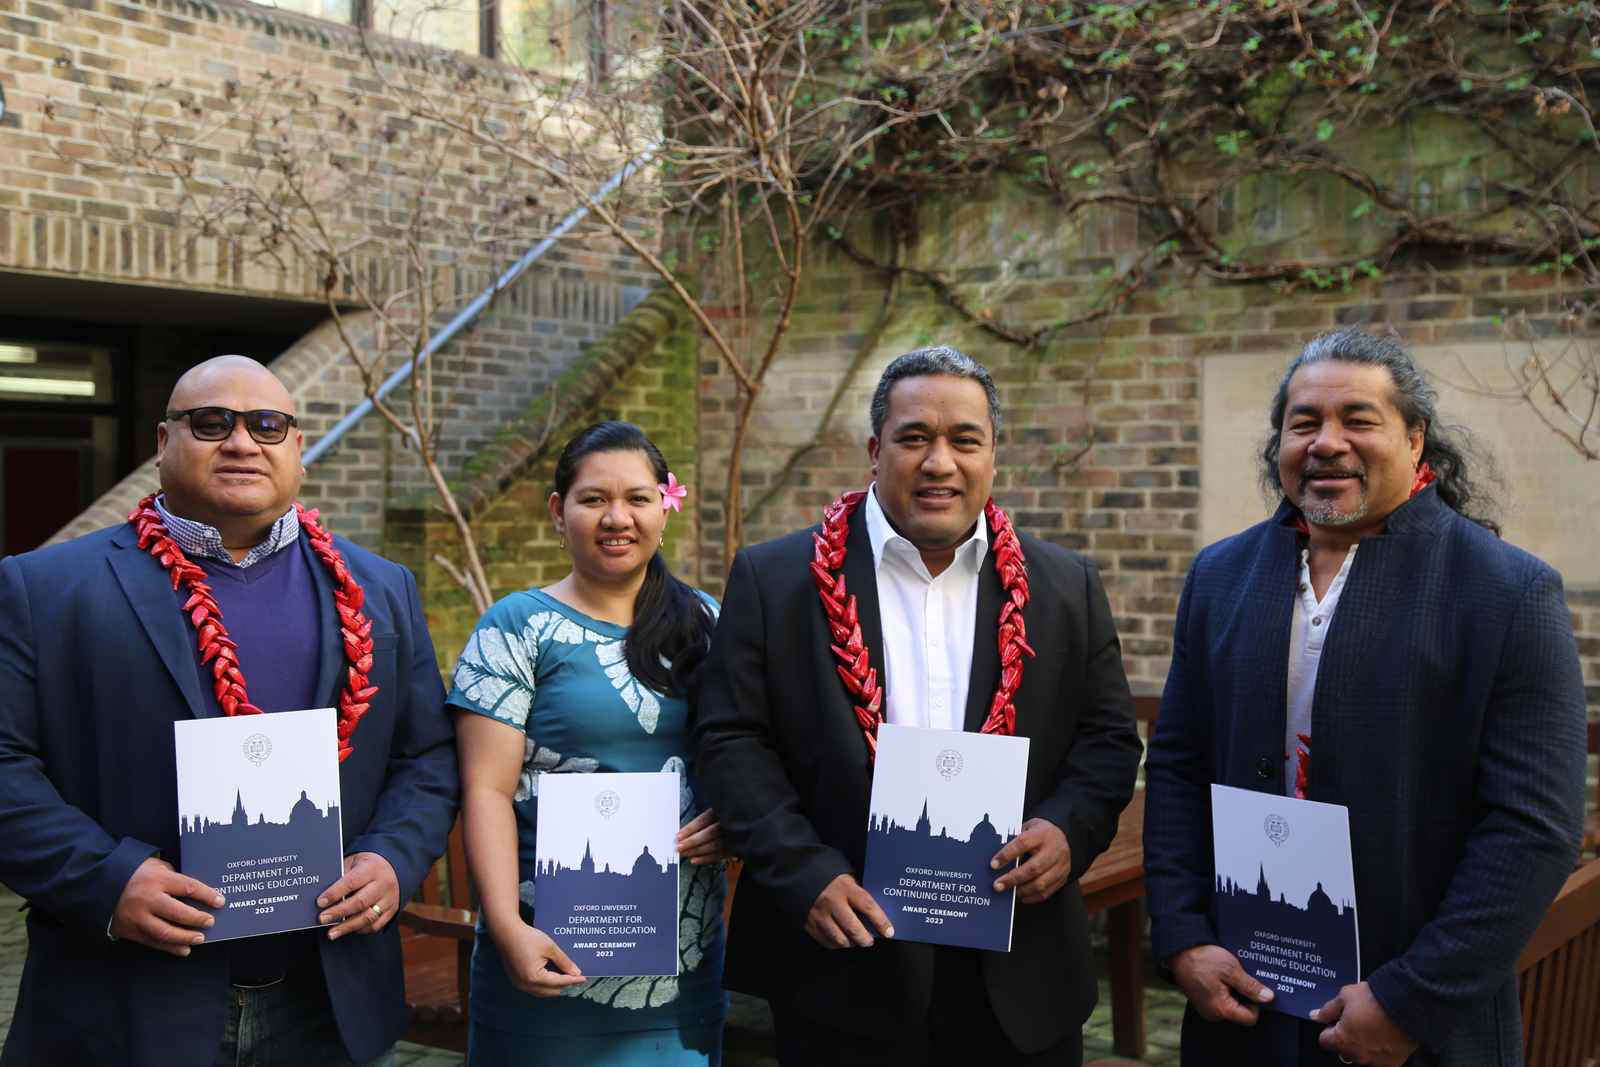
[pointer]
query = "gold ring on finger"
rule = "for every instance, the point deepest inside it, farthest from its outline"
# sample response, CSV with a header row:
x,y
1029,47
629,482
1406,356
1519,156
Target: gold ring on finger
x,y
377,911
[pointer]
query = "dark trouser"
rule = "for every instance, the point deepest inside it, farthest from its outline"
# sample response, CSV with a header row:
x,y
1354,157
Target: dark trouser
x,y
288,1023
961,1031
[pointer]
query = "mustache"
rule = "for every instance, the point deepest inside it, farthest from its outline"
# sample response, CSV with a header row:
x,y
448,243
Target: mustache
x,y
1315,471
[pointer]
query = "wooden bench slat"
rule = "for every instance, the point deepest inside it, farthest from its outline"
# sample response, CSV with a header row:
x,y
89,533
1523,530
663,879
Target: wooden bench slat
x,y
1529,989
1575,908
462,892
437,946
1566,985
436,920
1589,993
1591,822
1559,977
1543,1018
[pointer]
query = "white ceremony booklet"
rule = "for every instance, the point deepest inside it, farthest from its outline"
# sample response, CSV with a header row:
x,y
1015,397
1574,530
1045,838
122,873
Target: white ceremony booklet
x,y
1285,895
258,816
606,884
943,803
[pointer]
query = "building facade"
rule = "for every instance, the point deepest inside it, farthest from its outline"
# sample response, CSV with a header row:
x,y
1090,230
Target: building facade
x,y
1131,438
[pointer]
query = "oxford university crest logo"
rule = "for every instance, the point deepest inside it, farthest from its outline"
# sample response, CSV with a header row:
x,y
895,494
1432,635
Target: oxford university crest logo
x,y
949,763
257,747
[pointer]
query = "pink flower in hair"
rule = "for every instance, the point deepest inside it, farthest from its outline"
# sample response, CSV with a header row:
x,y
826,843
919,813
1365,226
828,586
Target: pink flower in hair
x,y
672,493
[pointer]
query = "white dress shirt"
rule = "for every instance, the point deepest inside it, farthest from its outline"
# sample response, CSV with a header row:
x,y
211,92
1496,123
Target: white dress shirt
x,y
928,624
1307,633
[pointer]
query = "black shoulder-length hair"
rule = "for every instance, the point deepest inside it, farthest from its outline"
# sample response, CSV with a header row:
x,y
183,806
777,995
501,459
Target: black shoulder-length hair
x,y
1462,467
671,629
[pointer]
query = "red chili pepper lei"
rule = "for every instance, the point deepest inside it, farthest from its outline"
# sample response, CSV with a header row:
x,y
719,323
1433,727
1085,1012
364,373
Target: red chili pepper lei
x,y
852,658
218,650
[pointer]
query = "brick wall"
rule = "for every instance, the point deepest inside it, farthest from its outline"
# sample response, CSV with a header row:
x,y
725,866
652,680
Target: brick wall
x,y
1123,392
482,379
642,370
68,209
1101,452
492,370
75,71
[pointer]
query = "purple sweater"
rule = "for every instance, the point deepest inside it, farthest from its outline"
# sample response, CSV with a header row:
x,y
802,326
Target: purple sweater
x,y
271,611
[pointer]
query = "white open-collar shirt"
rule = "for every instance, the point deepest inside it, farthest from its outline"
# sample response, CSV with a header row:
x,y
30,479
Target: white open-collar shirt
x,y
1308,629
928,624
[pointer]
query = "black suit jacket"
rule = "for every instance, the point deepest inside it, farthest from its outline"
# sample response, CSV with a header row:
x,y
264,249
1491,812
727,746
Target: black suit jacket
x,y
785,765
1448,717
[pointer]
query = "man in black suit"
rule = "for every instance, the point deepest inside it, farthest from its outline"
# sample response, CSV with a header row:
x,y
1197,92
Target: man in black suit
x,y
785,744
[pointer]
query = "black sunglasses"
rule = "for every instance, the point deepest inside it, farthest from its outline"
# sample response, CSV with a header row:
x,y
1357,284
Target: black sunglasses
x,y
265,426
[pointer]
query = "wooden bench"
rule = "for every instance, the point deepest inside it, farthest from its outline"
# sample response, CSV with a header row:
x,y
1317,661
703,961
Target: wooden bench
x,y
436,944
1591,822
1558,976
1114,883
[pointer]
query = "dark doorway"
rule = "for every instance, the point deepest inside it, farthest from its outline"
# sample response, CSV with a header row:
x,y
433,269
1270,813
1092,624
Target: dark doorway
x,y
81,391
42,483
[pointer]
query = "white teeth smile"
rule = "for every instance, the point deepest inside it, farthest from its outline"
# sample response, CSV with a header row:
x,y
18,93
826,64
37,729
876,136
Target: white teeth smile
x,y
616,543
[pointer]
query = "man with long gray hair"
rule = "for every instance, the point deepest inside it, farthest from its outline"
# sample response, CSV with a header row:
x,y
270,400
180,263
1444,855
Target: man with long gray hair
x,y
921,584
1374,645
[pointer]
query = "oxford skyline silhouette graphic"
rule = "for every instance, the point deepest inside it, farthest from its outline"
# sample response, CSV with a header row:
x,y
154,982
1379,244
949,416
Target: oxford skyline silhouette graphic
x,y
1314,942
268,872
300,813
611,923
974,916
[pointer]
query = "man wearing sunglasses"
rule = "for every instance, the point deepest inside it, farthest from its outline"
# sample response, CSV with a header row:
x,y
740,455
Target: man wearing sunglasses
x,y
99,656
236,471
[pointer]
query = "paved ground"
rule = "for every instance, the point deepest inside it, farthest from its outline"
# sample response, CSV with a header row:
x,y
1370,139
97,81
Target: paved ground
x,y
749,1037
12,949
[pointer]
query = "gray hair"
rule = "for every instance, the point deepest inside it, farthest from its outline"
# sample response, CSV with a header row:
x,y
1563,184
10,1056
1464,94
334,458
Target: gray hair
x,y
1447,449
922,362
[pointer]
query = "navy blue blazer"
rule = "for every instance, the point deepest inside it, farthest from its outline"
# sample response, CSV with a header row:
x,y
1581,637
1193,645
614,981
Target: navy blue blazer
x,y
1448,717
96,663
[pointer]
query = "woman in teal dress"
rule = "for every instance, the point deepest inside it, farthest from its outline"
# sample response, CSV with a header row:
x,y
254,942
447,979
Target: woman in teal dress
x,y
588,674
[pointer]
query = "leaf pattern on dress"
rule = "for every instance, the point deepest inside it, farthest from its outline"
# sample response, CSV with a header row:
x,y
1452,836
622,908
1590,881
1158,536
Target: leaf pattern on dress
x,y
633,993
554,626
537,760
676,765
639,698
699,903
699,916
495,672
496,669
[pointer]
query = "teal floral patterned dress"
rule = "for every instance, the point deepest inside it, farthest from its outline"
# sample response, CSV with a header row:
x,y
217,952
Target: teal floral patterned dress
x,y
562,679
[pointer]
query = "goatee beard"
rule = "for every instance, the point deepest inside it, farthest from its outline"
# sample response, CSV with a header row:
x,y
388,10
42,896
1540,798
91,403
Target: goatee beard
x,y
1329,514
